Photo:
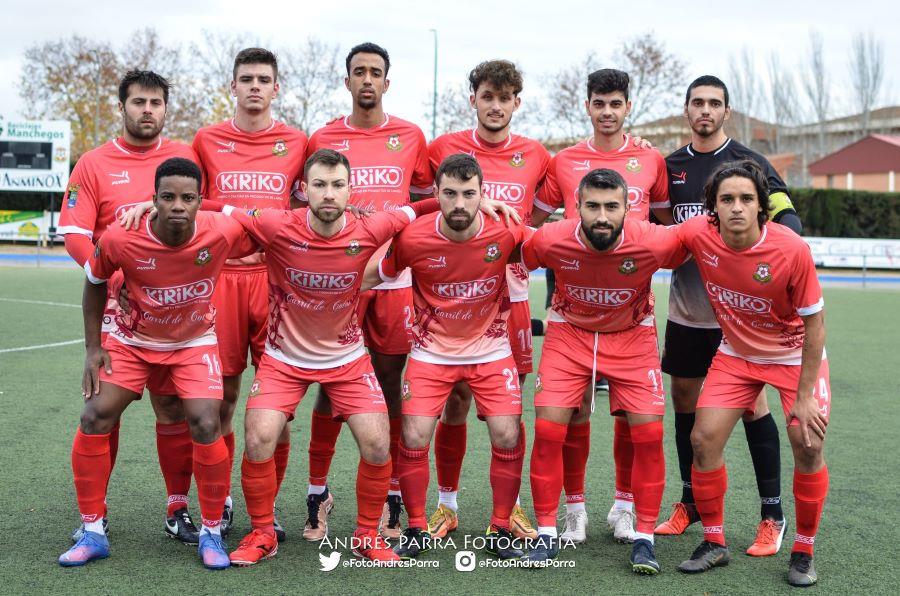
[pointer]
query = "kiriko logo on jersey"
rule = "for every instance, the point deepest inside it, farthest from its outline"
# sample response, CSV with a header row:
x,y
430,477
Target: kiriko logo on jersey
x,y
267,183
508,192
600,296
374,177
467,290
738,300
180,294
327,282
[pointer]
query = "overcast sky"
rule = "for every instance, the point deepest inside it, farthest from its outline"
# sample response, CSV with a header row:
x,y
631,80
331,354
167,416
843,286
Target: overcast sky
x,y
539,36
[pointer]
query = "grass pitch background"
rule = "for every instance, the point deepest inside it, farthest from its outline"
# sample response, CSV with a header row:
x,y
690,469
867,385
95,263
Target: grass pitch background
x,y
41,400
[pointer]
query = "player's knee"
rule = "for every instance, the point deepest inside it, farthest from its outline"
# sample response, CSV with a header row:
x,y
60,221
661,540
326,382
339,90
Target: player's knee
x,y
375,450
506,439
205,428
702,442
94,422
809,457
259,445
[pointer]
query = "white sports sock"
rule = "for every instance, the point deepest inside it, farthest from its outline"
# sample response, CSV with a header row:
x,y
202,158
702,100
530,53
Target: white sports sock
x,y
394,493
213,529
548,530
639,535
94,526
626,505
448,499
573,507
228,501
315,489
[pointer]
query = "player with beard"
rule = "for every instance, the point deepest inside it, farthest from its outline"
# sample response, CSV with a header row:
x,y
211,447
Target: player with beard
x,y
514,168
601,322
250,161
643,168
390,160
692,332
105,182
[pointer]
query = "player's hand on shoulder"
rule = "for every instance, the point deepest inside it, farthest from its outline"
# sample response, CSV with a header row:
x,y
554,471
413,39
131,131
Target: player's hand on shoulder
x,y
94,358
496,209
335,119
124,303
641,142
358,212
132,217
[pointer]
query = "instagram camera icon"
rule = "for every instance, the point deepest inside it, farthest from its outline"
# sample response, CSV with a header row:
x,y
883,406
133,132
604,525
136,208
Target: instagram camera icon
x,y
465,560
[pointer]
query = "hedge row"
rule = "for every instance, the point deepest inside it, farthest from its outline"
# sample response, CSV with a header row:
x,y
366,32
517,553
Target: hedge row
x,y
824,212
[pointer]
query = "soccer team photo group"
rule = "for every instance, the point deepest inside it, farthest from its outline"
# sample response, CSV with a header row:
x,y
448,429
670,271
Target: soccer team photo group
x,y
259,283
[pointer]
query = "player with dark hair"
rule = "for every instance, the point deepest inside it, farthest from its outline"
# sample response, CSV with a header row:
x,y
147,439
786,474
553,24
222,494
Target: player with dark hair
x,y
761,282
170,267
692,332
601,322
643,168
514,167
389,161
105,182
250,161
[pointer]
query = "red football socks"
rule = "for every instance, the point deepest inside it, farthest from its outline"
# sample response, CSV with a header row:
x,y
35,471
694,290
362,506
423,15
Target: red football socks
x,y
282,454
649,473
709,497
372,481
575,456
91,467
506,478
809,498
546,469
414,477
623,456
229,445
176,461
258,480
449,452
324,431
212,469
396,431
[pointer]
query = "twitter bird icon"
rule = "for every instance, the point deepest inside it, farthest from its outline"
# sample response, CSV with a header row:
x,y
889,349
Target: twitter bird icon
x,y
330,562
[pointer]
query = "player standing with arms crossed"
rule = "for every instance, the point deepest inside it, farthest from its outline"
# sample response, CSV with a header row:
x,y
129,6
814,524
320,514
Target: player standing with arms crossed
x,y
514,168
643,169
762,285
250,161
692,332
105,182
170,265
389,160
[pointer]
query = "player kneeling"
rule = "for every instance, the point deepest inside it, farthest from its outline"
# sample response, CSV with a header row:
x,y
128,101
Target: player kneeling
x,y
762,284
170,267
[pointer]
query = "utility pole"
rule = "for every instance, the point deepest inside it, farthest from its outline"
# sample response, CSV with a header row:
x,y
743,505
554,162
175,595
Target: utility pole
x,y
435,90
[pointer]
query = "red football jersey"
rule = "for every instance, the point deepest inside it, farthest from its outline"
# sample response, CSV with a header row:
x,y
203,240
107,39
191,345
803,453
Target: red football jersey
x,y
603,291
169,288
251,170
314,282
513,171
758,294
459,289
108,180
644,170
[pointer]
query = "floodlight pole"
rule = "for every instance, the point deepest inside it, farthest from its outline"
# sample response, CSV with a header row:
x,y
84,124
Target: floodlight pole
x,y
435,90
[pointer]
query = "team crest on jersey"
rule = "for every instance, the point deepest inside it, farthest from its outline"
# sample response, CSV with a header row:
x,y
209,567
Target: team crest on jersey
x,y
203,256
393,143
538,384
280,149
763,273
254,388
492,253
353,248
628,266
633,165
73,195
405,393
517,160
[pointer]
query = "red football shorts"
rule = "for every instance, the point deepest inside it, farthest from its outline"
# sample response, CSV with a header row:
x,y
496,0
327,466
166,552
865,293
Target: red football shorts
x,y
386,318
495,385
733,382
519,325
195,372
241,299
352,388
629,359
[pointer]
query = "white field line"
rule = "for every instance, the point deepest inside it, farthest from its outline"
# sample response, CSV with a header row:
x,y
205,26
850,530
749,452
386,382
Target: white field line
x,y
41,346
44,302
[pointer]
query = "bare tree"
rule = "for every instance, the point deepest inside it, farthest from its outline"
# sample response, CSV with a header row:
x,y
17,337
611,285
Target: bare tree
x,y
745,88
866,74
657,76
454,112
563,110
73,79
311,77
817,86
783,105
